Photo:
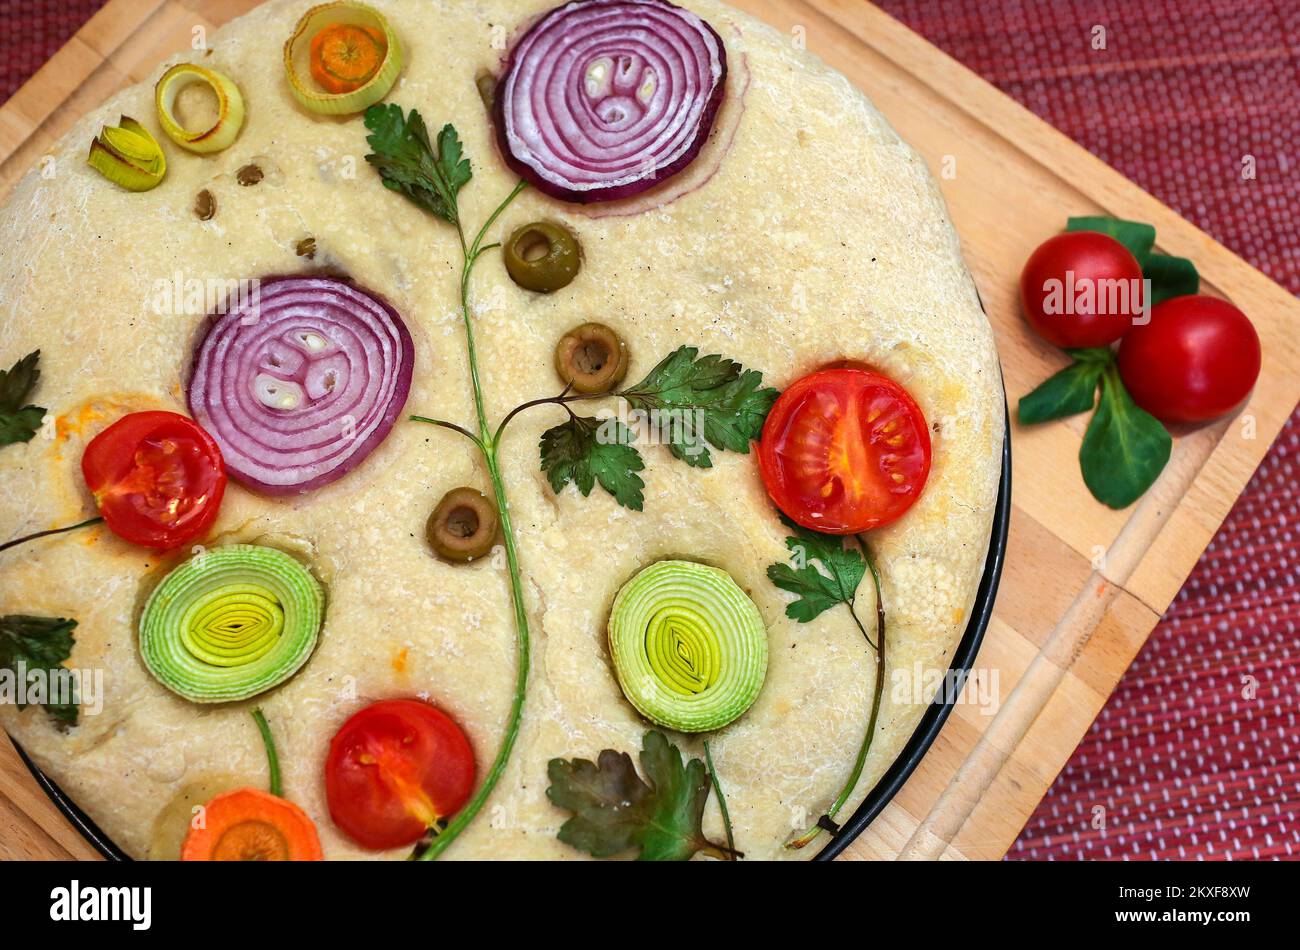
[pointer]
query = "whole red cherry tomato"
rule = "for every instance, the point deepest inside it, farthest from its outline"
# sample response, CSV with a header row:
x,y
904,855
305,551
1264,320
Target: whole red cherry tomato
x,y
1197,359
1081,289
157,478
394,770
844,451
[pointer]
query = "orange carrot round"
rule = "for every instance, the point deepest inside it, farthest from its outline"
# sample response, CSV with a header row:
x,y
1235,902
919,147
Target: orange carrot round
x,y
247,824
344,56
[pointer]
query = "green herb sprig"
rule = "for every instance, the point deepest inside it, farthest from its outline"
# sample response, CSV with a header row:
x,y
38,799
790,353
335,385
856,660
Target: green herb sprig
x,y
702,402
836,583
272,757
432,177
727,401
19,422
615,810
39,643
576,451
1125,448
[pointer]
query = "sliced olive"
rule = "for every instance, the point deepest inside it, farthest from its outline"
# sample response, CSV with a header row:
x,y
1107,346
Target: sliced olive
x,y
591,358
542,257
249,175
464,525
205,205
487,89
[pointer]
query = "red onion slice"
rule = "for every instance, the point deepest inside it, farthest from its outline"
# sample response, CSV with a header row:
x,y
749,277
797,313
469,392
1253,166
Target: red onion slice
x,y
603,99
301,381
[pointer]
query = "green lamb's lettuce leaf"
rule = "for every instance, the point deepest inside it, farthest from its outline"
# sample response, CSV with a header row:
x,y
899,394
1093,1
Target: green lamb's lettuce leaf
x,y
615,810
18,421
1125,448
1137,237
409,164
1069,392
39,644
586,450
692,403
1169,276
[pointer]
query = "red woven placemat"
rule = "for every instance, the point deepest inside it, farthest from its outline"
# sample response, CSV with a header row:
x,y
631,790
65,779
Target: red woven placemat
x,y
34,31
1197,754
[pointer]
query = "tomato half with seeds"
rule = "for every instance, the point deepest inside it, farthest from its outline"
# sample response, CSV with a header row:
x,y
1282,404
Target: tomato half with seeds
x,y
844,451
396,769
157,477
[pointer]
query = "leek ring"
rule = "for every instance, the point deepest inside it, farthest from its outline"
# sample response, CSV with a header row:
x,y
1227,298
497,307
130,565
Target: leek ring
x,y
230,108
689,646
127,155
297,59
231,623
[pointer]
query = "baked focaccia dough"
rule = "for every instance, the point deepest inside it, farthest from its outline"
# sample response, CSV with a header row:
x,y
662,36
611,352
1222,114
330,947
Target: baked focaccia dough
x,y
821,237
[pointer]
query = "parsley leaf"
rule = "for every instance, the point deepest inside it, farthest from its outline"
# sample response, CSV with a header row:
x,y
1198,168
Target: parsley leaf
x,y
39,643
18,422
615,810
818,591
408,163
585,450
711,399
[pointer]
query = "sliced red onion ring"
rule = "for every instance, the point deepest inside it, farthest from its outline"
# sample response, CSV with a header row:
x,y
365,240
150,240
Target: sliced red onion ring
x,y
301,381
701,171
603,99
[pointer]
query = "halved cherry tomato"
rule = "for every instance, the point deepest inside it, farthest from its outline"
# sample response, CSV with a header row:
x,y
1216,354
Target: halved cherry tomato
x,y
395,770
845,451
157,478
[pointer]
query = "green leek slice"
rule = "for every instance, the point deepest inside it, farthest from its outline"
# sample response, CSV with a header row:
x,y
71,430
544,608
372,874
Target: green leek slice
x,y
297,59
231,623
127,155
689,646
230,108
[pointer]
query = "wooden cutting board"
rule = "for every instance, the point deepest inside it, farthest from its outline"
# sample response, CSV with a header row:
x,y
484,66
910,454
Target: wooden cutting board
x,y
1084,585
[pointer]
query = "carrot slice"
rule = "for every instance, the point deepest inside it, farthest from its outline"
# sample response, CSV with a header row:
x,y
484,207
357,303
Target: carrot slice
x,y
344,57
248,824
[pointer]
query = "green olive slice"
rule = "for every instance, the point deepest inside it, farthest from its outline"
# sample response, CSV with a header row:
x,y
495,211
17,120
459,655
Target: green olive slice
x,y
591,358
464,526
487,89
542,256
